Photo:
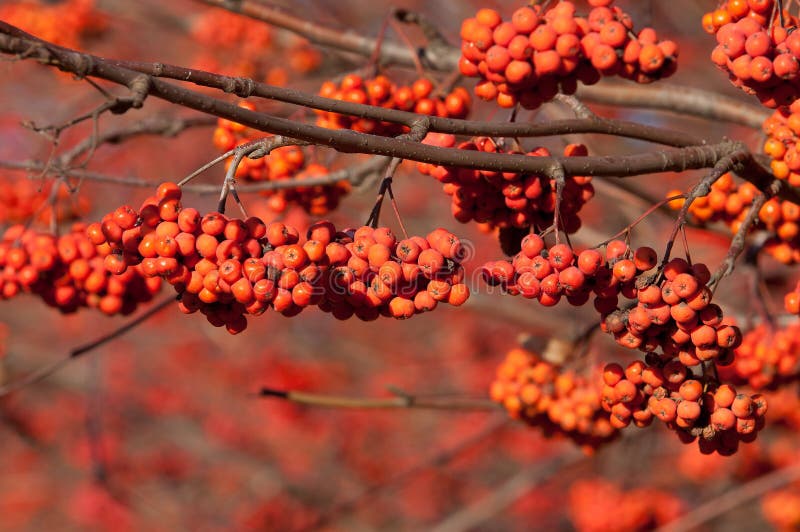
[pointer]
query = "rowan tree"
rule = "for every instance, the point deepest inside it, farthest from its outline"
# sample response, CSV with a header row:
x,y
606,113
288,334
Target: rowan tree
x,y
238,237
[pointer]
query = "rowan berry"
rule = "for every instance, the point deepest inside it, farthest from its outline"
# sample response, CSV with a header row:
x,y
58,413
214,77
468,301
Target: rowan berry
x,y
624,270
458,295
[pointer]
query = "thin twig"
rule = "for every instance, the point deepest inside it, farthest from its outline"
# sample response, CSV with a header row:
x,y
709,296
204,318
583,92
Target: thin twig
x,y
254,149
658,205
391,53
702,188
678,99
386,184
396,210
738,242
355,174
404,401
94,424
44,372
580,109
407,42
246,87
430,30
557,174
735,498
157,125
692,157
500,497
230,181
438,460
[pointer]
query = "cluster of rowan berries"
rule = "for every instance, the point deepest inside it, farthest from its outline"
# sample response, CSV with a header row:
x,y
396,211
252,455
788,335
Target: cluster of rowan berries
x,y
383,276
23,199
726,202
729,202
61,23
220,28
234,44
734,10
767,358
317,200
67,272
547,273
760,55
540,52
597,505
674,313
381,91
283,163
717,417
783,143
780,217
229,268
547,397
508,199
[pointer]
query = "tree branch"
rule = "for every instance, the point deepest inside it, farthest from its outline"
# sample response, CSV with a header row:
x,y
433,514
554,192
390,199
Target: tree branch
x,y
734,498
691,157
443,58
400,401
438,58
355,175
500,497
157,125
738,241
676,99
45,371
246,87
438,460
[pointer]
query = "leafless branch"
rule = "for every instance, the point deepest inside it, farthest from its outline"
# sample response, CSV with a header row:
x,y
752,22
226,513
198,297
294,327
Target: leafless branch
x,y
689,157
677,99
734,498
500,497
157,125
738,241
438,460
440,57
44,372
399,401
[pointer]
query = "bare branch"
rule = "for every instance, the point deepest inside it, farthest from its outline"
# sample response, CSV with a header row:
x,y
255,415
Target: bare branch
x,y
355,174
500,497
439,58
438,460
44,372
597,125
738,241
402,401
734,498
157,125
690,157
677,99
246,87
725,164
